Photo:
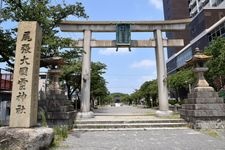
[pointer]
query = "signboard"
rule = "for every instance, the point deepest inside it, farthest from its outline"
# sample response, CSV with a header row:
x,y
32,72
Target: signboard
x,y
123,35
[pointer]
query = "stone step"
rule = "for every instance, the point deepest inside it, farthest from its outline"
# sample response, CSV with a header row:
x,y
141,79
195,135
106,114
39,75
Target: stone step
x,y
214,106
130,125
130,121
135,124
209,100
130,129
203,94
203,113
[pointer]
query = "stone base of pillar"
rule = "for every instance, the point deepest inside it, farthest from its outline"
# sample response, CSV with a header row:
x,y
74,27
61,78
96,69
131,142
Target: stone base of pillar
x,y
204,109
85,115
163,113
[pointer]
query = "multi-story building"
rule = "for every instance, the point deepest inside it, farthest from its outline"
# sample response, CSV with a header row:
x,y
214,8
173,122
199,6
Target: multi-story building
x,y
206,14
205,27
195,6
176,9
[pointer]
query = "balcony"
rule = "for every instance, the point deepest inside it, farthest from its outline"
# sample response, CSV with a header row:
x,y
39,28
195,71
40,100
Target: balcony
x,y
192,3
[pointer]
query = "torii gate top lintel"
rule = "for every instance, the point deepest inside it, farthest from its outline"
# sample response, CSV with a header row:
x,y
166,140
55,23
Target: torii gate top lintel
x,y
136,26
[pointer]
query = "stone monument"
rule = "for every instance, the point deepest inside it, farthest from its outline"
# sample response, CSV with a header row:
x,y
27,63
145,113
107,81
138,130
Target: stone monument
x,y
203,108
59,110
24,101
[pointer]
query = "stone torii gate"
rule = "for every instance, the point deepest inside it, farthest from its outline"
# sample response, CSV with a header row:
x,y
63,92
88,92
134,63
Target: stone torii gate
x,y
87,27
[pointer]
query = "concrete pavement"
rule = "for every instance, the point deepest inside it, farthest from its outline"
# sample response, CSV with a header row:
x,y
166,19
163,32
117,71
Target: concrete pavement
x,y
174,139
155,139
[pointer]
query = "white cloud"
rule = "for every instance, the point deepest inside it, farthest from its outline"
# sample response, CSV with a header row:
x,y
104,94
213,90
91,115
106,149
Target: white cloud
x,y
148,77
112,51
144,64
156,3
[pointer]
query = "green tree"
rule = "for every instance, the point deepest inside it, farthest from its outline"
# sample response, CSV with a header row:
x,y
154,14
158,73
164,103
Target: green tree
x,y
7,45
179,82
126,99
216,73
99,90
108,100
136,97
71,71
48,16
149,91
71,74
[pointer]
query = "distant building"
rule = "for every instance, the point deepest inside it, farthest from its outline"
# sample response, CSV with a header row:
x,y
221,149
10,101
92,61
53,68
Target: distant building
x,y
201,41
6,81
5,97
195,6
204,27
176,9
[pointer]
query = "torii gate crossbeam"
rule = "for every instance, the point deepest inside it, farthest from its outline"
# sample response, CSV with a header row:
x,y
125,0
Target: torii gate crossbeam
x,y
87,27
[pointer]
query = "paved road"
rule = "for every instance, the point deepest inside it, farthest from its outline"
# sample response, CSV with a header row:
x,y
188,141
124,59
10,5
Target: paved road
x,y
161,139
174,139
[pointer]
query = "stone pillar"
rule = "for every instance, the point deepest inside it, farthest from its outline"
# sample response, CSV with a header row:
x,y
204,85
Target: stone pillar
x,y
161,76
24,101
86,78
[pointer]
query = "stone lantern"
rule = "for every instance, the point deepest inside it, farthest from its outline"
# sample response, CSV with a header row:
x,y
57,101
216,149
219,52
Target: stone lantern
x,y
59,110
54,72
203,108
198,61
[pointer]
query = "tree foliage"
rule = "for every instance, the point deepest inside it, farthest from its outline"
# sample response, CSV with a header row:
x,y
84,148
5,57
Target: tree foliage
x,y
71,71
47,15
149,91
7,46
179,82
98,83
71,74
216,65
181,79
124,98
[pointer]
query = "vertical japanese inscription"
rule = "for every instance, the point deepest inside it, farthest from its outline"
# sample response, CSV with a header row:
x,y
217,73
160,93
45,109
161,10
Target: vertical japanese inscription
x,y
24,99
23,70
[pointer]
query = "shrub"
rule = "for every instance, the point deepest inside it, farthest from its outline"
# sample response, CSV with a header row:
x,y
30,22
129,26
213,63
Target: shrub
x,y
172,102
60,134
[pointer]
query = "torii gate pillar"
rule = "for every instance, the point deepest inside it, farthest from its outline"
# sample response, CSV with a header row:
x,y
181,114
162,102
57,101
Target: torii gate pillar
x,y
161,76
86,78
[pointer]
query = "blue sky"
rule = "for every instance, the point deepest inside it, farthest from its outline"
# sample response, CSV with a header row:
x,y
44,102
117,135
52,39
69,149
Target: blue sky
x,y
126,71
